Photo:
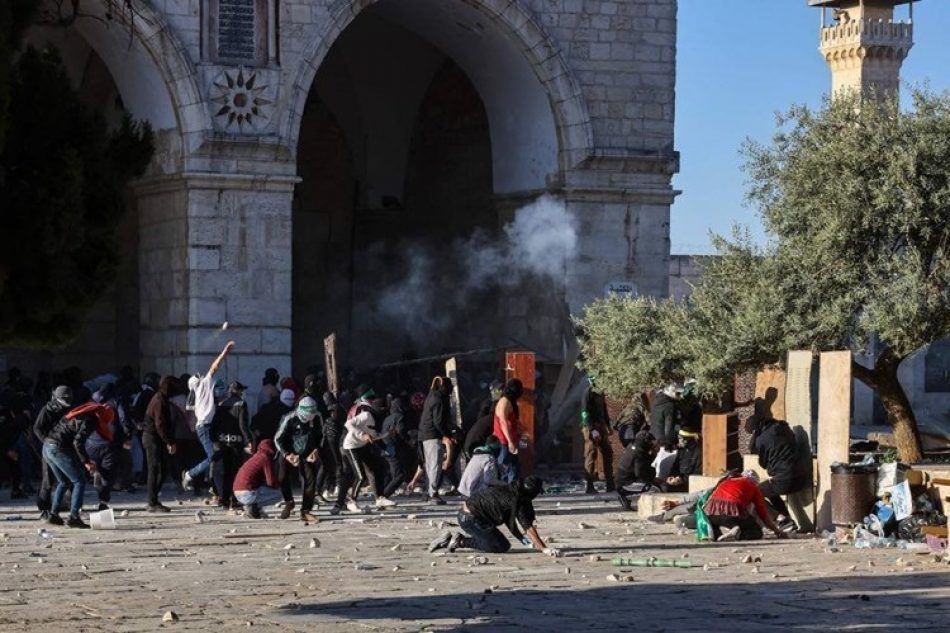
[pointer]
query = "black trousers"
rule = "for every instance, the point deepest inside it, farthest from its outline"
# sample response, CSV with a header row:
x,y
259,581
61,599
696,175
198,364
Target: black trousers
x,y
106,461
773,489
330,472
224,467
155,454
44,496
397,475
481,536
363,462
307,471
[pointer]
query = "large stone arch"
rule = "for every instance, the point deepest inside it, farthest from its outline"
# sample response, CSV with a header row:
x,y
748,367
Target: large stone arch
x,y
152,71
571,120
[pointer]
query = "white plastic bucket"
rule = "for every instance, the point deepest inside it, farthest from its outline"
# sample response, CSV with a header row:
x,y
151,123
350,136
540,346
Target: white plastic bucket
x,y
104,520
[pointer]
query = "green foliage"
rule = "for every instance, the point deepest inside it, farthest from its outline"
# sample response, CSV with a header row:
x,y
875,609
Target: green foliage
x,y
628,344
63,198
855,198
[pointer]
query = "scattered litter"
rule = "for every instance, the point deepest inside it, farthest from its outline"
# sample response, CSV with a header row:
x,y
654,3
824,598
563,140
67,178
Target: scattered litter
x,y
583,525
124,513
594,558
170,616
852,567
397,568
749,558
289,546
480,560
411,516
314,543
302,570
199,516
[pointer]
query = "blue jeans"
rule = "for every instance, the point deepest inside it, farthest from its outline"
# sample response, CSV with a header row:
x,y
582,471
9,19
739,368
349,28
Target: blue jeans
x,y
204,436
510,468
263,496
66,468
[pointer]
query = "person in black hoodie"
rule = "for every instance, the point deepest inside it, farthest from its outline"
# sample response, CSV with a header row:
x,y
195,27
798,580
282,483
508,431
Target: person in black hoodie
x,y
435,424
635,472
105,445
397,447
664,416
331,455
65,452
775,444
479,433
48,417
231,439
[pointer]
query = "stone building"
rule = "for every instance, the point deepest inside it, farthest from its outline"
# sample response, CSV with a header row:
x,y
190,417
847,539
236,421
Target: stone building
x,y
306,148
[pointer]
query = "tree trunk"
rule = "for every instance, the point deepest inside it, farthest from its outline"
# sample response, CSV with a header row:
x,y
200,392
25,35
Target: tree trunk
x,y
883,380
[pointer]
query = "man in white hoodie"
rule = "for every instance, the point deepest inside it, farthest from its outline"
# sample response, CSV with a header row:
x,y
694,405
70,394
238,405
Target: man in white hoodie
x,y
201,400
361,455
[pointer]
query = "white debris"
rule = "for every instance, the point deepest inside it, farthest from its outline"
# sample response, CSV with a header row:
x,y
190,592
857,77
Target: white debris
x,y
124,513
170,616
199,517
594,558
411,516
314,543
289,546
397,568
302,570
395,548
583,525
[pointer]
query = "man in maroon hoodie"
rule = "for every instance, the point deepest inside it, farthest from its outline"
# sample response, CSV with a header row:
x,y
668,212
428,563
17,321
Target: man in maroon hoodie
x,y
256,484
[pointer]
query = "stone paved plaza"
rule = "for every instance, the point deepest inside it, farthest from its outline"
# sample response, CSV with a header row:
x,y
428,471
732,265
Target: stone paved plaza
x,y
372,573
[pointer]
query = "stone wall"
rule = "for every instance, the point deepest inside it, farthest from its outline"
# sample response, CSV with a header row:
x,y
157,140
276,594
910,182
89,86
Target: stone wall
x,y
579,97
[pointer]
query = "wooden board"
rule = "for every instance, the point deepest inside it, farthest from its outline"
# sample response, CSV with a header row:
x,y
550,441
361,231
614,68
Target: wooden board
x,y
770,387
451,372
834,425
720,444
329,362
798,412
521,365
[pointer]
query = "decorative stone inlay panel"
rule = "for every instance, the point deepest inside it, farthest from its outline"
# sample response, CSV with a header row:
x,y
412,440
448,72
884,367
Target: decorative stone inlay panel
x,y
241,100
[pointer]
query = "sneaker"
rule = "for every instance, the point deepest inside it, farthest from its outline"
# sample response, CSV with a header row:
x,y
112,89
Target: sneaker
x,y
458,540
436,500
76,522
103,506
354,507
44,515
54,519
383,502
787,525
335,510
186,481
158,508
657,518
680,521
590,490
286,510
253,511
443,541
732,534
307,517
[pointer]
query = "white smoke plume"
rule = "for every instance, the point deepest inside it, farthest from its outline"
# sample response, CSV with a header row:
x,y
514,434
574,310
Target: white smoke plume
x,y
429,297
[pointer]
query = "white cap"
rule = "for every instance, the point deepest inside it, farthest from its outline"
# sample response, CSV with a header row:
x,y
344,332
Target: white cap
x,y
287,396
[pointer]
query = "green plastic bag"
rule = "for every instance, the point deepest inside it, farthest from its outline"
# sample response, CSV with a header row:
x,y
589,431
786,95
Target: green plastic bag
x,y
703,528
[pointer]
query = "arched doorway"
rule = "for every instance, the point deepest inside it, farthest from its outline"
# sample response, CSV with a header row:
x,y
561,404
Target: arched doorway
x,y
116,73
424,124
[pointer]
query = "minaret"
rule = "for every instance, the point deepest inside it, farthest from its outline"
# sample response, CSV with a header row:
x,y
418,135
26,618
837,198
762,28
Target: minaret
x,y
863,44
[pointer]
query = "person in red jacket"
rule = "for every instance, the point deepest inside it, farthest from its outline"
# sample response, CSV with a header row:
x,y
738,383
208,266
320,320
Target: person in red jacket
x,y
737,505
256,484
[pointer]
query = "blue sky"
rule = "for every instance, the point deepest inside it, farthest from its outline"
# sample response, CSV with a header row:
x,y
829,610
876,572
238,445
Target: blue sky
x,y
740,62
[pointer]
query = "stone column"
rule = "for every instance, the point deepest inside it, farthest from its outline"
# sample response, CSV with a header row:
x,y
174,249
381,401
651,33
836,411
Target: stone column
x,y
622,207
216,248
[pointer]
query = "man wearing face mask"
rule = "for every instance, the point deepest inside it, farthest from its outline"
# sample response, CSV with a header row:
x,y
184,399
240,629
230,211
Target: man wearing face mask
x,y
298,439
48,417
595,427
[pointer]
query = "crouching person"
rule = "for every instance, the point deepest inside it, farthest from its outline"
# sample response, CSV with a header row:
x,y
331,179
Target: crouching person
x,y
481,515
736,510
256,483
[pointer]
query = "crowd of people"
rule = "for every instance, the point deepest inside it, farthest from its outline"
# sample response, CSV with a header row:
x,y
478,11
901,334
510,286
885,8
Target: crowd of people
x,y
325,448
300,443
